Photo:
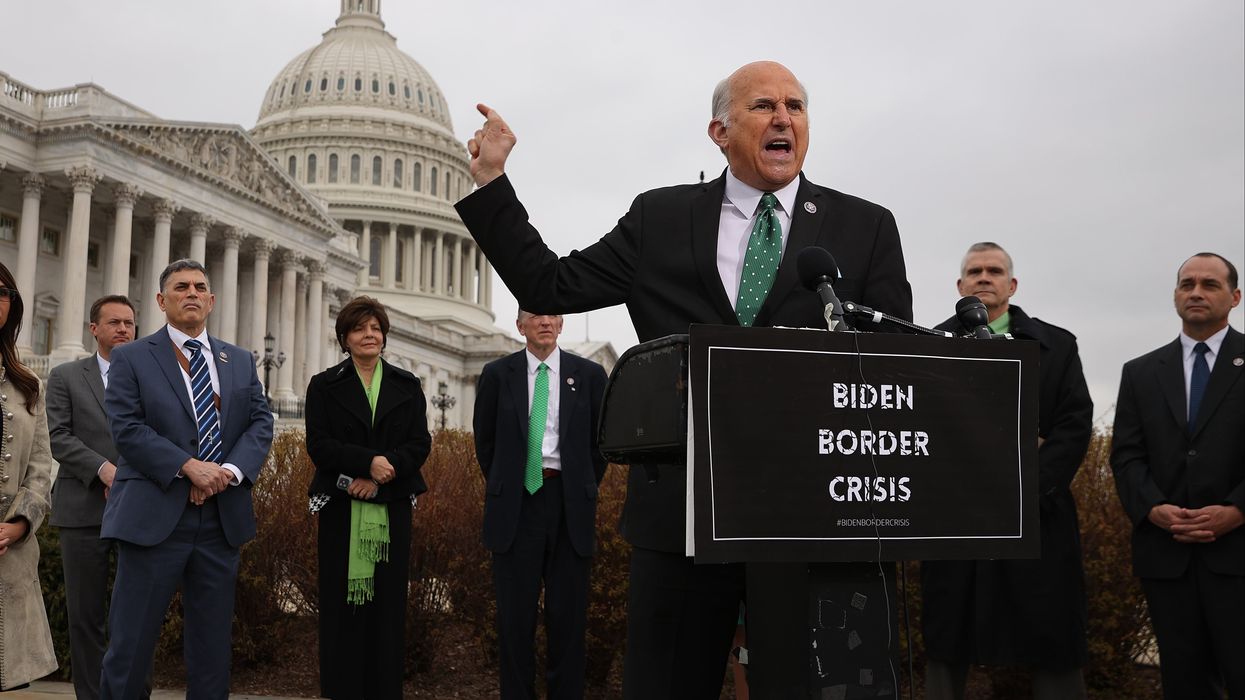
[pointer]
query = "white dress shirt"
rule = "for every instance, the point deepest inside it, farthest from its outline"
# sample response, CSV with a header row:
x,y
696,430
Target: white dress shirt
x,y
180,338
551,457
739,211
1214,343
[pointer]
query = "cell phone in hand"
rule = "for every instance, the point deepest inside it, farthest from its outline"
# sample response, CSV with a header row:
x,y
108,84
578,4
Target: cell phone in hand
x,y
343,481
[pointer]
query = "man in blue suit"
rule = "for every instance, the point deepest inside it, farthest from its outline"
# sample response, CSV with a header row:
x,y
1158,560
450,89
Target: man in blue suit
x,y
189,419
536,438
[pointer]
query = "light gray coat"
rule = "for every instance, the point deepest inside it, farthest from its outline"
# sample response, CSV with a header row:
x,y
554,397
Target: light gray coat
x,y
26,468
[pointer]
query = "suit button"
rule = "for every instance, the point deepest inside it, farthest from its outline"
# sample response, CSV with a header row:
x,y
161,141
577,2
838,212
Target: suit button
x,y
1192,453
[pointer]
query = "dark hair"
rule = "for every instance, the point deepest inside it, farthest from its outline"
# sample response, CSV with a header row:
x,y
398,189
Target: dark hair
x,y
110,299
178,266
357,311
1232,278
21,376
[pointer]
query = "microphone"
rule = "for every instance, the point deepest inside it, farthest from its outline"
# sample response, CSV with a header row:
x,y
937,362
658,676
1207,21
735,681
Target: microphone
x,y
818,271
972,314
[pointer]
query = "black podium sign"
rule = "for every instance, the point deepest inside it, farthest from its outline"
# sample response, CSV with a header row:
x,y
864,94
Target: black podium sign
x,y
815,446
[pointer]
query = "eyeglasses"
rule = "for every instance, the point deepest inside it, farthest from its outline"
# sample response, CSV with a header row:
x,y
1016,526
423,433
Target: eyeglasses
x,y
8,294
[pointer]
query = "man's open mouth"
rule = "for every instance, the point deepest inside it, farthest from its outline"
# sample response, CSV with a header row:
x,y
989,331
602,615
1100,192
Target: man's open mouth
x,y
780,145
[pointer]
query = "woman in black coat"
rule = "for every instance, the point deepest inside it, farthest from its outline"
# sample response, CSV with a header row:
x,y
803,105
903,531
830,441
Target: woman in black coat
x,y
367,434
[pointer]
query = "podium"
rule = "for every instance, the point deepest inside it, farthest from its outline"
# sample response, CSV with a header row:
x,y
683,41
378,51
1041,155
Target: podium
x,y
817,458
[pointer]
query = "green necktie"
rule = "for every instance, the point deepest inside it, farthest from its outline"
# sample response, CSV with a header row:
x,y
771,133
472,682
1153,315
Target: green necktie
x,y
760,262
533,476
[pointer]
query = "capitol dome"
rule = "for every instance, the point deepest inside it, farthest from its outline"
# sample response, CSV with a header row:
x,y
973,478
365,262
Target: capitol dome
x,y
363,126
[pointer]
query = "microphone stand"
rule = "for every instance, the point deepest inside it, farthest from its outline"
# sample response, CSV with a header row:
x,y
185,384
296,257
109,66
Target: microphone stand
x,y
859,311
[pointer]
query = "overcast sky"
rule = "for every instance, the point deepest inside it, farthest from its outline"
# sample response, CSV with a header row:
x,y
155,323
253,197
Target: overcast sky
x,y
1101,143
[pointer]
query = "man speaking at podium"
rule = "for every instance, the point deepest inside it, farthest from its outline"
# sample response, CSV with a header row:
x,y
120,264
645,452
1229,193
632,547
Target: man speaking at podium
x,y
675,258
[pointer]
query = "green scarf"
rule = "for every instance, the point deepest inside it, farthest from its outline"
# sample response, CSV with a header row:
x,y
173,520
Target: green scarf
x,y
369,528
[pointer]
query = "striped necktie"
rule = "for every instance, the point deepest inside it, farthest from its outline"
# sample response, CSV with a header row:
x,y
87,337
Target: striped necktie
x,y
205,407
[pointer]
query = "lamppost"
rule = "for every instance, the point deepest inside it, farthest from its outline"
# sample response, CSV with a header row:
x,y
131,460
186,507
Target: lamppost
x,y
443,401
269,362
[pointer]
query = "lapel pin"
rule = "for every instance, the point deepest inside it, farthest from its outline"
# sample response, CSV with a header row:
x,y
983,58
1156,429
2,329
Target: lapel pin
x,y
810,207
223,357
1236,361
570,381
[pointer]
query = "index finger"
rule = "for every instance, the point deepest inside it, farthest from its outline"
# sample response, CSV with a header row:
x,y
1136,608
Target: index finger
x,y
484,109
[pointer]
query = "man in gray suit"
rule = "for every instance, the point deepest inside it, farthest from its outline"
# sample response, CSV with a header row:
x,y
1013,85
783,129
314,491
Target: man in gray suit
x,y
83,445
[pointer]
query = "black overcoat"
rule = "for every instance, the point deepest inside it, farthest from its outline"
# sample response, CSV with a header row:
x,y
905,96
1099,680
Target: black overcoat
x,y
1029,612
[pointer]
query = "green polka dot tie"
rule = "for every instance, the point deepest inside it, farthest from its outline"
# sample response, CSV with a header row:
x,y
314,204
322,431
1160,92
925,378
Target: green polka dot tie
x,y
534,476
760,262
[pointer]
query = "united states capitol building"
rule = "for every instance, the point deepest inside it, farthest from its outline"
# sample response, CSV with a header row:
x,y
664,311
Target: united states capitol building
x,y
345,186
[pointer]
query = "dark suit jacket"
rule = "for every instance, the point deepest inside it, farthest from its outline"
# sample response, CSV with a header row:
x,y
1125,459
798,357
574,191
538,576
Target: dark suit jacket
x,y
1157,459
661,261
501,429
1025,611
342,437
81,442
153,425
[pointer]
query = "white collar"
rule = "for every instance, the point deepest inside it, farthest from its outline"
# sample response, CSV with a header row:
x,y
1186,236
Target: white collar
x,y
179,338
747,198
1214,342
553,362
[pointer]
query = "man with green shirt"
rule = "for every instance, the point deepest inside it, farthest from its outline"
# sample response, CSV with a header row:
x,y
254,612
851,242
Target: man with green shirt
x,y
1021,612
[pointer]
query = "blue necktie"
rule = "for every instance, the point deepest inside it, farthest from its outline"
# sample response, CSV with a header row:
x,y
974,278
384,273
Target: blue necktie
x,y
1197,382
205,408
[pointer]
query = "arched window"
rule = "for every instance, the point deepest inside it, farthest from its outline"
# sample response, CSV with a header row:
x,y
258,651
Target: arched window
x,y
447,185
358,84
341,83
406,90
393,89
377,164
375,86
332,167
282,91
418,176
397,172
293,166
354,169
420,92
311,169
432,182
324,84
307,85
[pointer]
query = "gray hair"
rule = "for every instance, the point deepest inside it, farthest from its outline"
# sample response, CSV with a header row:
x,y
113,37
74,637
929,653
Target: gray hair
x,y
983,247
183,264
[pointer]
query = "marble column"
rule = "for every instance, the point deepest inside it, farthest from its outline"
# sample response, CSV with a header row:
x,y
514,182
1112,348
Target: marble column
x,y
487,281
163,210
227,289
438,264
299,384
315,320
425,272
417,260
365,252
246,307
199,225
482,271
28,253
456,270
73,290
469,270
291,263
389,261
259,292
119,271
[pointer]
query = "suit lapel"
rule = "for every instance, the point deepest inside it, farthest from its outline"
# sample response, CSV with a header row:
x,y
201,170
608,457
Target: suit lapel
x,y
706,212
161,347
90,367
567,395
518,389
805,226
348,391
392,394
1171,381
224,374
1222,376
